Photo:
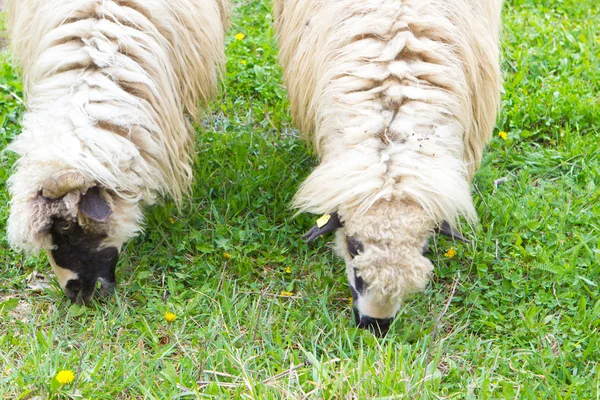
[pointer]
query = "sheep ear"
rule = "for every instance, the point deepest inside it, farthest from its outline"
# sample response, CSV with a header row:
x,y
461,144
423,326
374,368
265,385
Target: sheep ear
x,y
446,230
331,225
93,206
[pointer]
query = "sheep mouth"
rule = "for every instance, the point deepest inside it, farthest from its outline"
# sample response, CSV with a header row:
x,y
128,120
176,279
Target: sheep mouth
x,y
104,288
92,278
82,264
82,293
377,326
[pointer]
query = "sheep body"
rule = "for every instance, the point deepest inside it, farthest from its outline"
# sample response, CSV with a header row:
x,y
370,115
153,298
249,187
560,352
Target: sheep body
x,y
399,99
111,88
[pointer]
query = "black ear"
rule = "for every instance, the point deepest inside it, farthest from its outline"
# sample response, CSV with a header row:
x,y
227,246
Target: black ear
x,y
447,230
93,206
316,231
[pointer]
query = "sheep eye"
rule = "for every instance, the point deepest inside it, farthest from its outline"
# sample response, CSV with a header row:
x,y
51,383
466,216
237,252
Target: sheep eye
x,y
64,226
355,247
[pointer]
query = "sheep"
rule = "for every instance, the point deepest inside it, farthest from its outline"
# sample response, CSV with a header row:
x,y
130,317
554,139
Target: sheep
x,y
112,89
399,99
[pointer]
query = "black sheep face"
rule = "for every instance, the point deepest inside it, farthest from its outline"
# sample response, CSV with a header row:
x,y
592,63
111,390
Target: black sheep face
x,y
81,254
81,262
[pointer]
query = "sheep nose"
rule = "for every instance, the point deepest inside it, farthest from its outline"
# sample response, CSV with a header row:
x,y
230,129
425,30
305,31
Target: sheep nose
x,y
73,290
378,326
74,295
105,288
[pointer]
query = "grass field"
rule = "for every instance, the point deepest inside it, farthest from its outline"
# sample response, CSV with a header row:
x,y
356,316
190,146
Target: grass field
x,y
515,315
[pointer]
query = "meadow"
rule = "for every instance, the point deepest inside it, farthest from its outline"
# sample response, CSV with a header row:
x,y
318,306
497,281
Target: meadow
x,y
260,314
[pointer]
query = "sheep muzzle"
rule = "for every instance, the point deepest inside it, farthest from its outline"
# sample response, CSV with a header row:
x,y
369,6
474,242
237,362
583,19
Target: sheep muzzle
x,y
378,326
81,263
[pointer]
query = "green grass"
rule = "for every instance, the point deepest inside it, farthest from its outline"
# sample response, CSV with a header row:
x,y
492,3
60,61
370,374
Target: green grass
x,y
524,318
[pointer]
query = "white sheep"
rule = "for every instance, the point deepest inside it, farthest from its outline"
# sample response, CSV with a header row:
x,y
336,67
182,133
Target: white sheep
x,y
111,87
399,98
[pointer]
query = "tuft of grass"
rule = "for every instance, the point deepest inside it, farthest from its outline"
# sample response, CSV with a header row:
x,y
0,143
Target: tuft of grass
x,y
515,315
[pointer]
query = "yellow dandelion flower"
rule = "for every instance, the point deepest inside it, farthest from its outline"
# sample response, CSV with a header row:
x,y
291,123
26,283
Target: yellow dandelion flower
x,y
226,255
170,317
171,220
503,135
243,62
65,377
239,36
450,253
288,270
286,294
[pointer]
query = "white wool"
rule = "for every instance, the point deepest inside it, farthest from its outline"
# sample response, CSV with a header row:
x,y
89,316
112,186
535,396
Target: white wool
x,y
399,98
112,87
423,73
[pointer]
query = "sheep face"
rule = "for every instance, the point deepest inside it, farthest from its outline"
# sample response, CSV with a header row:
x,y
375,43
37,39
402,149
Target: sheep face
x,y
80,225
81,262
382,249
81,254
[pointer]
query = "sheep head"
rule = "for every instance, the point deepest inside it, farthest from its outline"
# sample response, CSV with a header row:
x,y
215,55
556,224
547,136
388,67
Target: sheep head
x,y
383,249
81,254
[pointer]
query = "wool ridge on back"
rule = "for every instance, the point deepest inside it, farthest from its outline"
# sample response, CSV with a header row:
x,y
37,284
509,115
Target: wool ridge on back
x,y
112,89
399,98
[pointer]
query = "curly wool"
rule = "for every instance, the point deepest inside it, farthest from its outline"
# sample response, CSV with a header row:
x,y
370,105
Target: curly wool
x,y
393,234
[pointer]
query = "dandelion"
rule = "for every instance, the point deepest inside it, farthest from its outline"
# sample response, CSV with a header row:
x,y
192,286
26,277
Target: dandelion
x,y
171,220
288,270
286,294
243,62
503,135
239,36
226,255
450,253
65,377
170,317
